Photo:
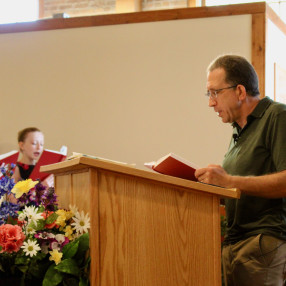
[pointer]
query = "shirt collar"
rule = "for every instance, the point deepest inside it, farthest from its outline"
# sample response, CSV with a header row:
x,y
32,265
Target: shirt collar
x,y
258,111
261,107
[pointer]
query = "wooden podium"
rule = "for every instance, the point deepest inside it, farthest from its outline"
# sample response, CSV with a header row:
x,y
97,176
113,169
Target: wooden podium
x,y
146,228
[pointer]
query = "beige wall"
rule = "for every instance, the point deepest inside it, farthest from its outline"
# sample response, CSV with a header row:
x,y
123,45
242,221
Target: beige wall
x,y
130,93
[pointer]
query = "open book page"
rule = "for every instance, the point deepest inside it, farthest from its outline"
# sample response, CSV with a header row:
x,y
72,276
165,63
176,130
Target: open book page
x,y
78,155
174,165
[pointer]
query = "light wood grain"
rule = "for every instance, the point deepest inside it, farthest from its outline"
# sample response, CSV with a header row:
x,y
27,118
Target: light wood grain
x,y
258,48
83,162
153,235
144,230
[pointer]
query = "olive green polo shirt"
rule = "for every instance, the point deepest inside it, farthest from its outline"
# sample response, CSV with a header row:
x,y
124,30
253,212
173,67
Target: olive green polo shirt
x,y
260,149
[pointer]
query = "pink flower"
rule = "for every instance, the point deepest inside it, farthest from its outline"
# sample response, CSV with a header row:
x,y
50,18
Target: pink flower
x,y
11,238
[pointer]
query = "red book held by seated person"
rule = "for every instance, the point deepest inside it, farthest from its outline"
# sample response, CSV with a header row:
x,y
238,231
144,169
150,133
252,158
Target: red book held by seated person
x,y
47,157
174,165
9,158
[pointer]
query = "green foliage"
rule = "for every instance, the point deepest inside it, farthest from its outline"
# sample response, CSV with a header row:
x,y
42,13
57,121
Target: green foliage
x,y
51,218
71,270
68,266
52,277
69,250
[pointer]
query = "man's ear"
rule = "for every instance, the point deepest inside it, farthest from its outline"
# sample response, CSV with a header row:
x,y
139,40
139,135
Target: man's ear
x,y
241,92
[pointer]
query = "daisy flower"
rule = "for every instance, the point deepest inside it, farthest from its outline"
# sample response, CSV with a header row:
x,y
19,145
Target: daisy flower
x,y
23,187
30,247
73,209
30,230
81,222
21,217
32,214
55,256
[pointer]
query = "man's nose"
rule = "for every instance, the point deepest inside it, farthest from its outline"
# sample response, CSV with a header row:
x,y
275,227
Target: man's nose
x,y
212,102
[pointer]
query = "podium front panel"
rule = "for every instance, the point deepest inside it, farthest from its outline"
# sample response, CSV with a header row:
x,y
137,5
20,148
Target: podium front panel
x,y
144,232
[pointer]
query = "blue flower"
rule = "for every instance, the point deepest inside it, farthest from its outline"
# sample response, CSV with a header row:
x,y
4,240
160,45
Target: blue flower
x,y
6,185
8,209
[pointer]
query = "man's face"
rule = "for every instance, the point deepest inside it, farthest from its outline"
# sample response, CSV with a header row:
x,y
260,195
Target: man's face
x,y
226,103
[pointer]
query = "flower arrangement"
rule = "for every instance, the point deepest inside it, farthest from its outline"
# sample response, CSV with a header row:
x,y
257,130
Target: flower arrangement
x,y
40,244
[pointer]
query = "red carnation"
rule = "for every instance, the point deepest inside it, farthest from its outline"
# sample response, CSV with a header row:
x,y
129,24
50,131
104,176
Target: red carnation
x,y
11,238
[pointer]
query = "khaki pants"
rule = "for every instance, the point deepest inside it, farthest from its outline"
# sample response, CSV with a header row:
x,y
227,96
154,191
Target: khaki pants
x,y
256,261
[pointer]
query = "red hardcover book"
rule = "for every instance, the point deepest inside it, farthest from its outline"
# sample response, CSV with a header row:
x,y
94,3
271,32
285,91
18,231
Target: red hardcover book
x,y
9,158
47,157
174,165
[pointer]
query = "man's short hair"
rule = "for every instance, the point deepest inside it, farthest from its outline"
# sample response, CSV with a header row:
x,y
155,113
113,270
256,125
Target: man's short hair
x,y
238,71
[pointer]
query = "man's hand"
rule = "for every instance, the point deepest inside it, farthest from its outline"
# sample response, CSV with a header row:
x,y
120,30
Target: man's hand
x,y
214,175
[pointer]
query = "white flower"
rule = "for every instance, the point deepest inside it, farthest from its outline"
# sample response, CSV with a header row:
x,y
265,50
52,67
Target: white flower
x,y
30,230
31,247
32,214
81,222
60,238
1,200
73,209
46,235
21,217
55,245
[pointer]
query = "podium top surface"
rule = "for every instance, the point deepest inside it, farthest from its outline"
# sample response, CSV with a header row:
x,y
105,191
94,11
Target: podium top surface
x,y
81,163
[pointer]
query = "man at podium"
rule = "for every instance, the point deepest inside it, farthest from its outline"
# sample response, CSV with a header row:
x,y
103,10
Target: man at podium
x,y
254,250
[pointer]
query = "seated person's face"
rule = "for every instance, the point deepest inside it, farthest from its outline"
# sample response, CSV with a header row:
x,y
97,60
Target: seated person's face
x,y
32,146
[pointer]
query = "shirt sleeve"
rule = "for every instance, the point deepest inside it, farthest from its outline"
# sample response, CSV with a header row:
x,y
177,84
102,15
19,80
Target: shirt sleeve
x,y
278,141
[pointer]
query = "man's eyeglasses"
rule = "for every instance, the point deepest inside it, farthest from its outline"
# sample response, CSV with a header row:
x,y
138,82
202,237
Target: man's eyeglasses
x,y
214,92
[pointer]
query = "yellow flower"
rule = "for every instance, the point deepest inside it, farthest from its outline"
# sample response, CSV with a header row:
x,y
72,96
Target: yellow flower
x,y
68,232
61,219
69,215
55,256
23,187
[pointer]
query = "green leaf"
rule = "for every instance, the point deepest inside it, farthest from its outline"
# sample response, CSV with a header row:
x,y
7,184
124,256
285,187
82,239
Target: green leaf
x,y
22,260
70,249
39,267
23,268
83,282
51,218
68,266
41,209
83,245
40,225
52,277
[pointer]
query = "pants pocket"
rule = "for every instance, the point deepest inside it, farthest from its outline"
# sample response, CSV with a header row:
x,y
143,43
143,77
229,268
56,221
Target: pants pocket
x,y
268,247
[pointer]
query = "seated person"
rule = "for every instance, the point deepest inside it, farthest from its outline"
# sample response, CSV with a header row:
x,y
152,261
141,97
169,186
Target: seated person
x,y
31,142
